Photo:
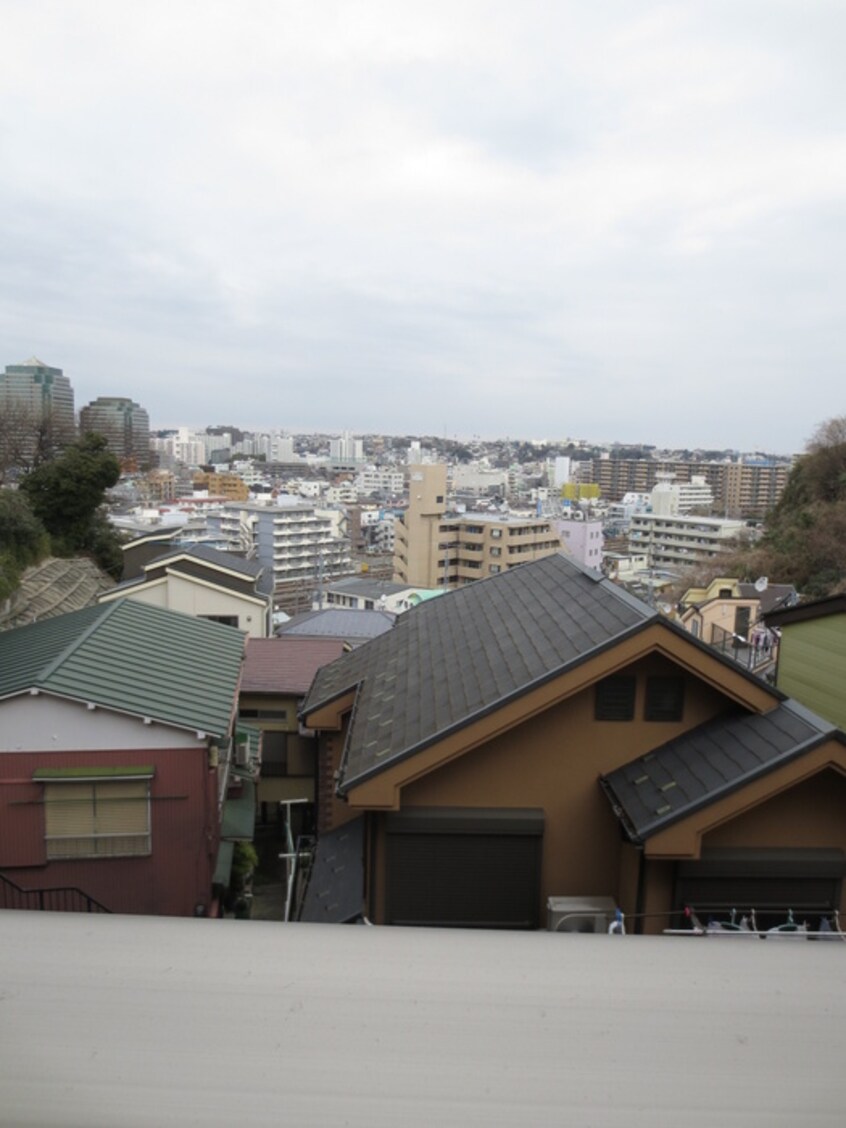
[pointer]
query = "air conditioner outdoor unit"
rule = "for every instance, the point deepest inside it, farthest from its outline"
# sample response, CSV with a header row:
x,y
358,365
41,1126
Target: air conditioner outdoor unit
x,y
580,914
242,754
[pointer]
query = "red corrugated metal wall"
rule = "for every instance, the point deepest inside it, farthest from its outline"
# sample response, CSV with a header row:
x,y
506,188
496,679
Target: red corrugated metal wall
x,y
175,880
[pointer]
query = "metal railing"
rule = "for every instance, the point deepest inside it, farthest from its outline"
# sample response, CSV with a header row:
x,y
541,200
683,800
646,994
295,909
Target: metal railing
x,y
741,650
58,899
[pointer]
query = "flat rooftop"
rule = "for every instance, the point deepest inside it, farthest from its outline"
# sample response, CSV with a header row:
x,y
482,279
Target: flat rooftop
x,y
129,1020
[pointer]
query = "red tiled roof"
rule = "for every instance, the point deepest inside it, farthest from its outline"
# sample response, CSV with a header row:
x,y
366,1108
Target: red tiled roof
x,y
286,665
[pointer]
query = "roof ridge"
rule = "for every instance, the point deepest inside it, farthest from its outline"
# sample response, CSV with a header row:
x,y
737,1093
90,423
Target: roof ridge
x,y
54,664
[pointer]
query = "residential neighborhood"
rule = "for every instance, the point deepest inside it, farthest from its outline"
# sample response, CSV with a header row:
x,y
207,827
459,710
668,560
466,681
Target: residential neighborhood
x,y
496,718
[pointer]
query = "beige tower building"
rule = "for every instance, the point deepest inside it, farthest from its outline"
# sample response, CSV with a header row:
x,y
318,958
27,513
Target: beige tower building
x,y
434,548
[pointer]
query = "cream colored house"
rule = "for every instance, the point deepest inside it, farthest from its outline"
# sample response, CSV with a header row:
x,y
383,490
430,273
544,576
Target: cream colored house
x,y
206,584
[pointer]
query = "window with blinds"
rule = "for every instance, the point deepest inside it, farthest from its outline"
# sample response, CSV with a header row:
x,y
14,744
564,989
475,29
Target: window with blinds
x,y
96,818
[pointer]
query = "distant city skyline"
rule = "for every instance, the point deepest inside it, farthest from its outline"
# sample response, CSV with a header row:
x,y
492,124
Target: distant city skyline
x,y
618,222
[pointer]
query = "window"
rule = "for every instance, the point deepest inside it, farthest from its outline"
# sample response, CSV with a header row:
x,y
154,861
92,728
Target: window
x,y
227,620
615,698
496,551
97,817
494,568
496,532
263,714
274,754
741,621
664,699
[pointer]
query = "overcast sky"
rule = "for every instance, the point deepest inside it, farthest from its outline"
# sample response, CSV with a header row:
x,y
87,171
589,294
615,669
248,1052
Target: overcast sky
x,y
609,220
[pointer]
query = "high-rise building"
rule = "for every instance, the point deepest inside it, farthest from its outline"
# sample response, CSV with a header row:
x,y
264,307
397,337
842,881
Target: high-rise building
x,y
346,451
123,424
436,548
36,409
746,489
290,537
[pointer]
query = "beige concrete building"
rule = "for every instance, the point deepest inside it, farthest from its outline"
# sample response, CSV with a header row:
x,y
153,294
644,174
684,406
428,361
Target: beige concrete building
x,y
230,486
435,548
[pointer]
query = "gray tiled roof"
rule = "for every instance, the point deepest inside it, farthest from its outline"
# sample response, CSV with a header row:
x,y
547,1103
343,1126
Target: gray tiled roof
x,y
452,659
247,568
367,588
335,893
339,622
706,763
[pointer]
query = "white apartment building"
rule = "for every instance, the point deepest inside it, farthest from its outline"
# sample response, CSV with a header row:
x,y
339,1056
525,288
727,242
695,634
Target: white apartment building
x,y
191,448
669,496
289,536
473,478
680,541
378,530
583,539
346,450
344,494
379,479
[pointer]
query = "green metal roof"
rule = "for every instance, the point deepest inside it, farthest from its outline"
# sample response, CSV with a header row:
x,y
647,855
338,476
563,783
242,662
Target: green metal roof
x,y
132,657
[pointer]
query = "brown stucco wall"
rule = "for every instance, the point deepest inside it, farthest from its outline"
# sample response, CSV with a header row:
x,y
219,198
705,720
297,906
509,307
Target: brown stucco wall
x,y
813,813
553,762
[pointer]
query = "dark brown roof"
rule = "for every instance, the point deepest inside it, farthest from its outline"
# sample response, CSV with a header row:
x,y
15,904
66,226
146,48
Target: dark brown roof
x,y
286,665
773,597
713,760
453,659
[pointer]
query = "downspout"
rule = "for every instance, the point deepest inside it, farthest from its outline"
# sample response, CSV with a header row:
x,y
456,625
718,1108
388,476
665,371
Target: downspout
x,y
641,889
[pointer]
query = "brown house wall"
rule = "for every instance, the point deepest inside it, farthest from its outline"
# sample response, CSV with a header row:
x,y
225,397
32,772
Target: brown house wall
x,y
805,811
810,814
172,881
553,762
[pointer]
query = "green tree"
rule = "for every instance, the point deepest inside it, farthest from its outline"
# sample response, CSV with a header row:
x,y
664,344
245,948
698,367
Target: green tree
x,y
66,495
23,539
804,540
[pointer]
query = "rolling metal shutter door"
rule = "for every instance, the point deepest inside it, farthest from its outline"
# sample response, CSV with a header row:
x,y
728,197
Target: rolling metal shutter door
x,y
464,868
807,882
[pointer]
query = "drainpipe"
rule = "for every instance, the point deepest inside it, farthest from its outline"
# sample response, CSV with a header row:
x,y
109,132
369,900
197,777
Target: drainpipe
x,y
641,891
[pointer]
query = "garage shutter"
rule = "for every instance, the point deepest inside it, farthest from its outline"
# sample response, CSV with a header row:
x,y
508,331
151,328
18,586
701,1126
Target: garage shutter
x,y
773,882
464,868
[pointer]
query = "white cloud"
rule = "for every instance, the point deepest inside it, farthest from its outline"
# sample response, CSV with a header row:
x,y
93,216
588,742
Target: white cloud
x,y
615,215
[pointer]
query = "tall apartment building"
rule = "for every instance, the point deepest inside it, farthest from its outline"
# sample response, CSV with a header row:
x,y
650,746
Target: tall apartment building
x,y
681,541
751,489
346,451
35,401
289,537
123,424
740,489
435,548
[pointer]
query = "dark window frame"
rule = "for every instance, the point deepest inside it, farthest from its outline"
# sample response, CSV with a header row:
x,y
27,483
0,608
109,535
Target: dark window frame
x,y
614,698
664,700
